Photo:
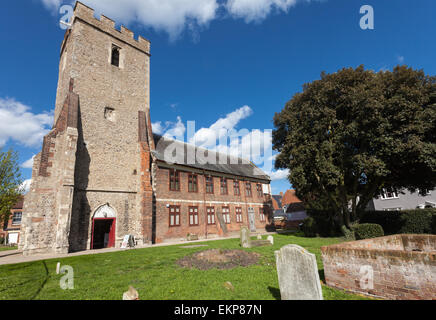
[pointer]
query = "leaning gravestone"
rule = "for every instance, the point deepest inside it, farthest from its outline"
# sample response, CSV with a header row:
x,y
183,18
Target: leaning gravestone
x,y
298,274
270,239
221,221
245,237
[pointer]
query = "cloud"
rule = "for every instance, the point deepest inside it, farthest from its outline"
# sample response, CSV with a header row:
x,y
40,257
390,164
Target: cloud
x,y
175,16
52,5
401,59
223,136
171,16
25,186
257,10
21,125
170,129
281,174
207,137
28,164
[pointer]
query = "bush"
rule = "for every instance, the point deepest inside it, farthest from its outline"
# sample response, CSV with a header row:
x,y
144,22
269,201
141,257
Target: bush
x,y
368,231
324,223
418,221
349,235
309,227
433,224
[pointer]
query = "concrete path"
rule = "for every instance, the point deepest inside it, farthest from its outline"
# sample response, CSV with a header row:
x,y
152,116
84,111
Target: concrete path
x,y
16,256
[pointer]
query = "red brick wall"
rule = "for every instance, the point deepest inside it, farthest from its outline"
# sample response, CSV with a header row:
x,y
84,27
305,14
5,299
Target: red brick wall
x,y
397,274
200,199
4,230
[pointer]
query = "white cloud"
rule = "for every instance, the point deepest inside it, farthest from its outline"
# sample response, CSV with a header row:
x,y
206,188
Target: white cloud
x,y
176,129
257,10
253,145
28,164
281,174
171,16
207,137
52,4
170,129
174,16
25,186
157,127
21,125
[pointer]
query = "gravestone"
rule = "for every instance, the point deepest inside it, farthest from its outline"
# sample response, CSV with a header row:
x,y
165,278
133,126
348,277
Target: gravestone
x,y
259,237
245,237
298,274
271,239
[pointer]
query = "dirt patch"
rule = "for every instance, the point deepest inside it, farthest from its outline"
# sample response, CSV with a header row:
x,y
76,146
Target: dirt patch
x,y
219,259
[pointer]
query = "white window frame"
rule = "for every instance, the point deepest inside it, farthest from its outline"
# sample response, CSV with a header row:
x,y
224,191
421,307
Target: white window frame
x,y
13,217
384,195
226,215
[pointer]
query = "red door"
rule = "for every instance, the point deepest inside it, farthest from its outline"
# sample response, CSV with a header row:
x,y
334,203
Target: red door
x,y
103,233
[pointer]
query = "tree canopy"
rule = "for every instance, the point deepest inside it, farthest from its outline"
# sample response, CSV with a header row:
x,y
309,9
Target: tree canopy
x,y
10,182
354,132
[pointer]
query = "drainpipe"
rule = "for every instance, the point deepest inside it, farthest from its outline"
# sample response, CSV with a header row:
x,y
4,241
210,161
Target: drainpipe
x,y
244,190
204,201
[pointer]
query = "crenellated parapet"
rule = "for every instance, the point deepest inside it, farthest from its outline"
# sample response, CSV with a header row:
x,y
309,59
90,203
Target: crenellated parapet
x,y
107,25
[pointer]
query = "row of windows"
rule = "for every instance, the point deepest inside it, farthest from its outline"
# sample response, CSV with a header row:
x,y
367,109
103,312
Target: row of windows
x,y
174,185
175,220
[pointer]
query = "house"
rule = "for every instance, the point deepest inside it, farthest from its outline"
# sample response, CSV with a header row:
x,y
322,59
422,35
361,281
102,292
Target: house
x,y
10,230
288,207
391,200
102,173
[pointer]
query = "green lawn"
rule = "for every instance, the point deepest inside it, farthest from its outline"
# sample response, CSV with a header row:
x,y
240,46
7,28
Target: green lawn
x,y
155,274
3,248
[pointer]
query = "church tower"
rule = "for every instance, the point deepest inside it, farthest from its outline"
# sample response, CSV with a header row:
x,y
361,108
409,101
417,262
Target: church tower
x,y
91,184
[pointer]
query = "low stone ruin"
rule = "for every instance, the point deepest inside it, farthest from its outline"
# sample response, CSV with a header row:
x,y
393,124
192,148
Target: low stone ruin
x,y
398,267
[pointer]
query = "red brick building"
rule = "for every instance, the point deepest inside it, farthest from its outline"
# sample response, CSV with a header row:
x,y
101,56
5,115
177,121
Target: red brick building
x,y
208,200
10,230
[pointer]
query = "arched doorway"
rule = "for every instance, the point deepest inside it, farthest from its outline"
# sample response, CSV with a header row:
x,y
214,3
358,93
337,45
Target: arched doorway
x,y
103,228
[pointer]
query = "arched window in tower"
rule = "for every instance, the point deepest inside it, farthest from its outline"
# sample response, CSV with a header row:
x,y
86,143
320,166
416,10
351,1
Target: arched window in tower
x,y
115,59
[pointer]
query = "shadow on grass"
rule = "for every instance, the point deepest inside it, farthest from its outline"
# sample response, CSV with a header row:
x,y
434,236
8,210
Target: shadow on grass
x,y
47,276
321,275
275,293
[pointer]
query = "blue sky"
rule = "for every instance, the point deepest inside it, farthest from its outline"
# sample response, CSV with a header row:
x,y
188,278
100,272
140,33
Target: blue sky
x,y
235,60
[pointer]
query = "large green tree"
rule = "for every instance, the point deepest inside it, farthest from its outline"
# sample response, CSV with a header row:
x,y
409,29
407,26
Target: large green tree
x,y
354,132
10,182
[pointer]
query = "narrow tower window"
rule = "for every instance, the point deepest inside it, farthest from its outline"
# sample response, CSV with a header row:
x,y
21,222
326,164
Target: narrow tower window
x,y
115,60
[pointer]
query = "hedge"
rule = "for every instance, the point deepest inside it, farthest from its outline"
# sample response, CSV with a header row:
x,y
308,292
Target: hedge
x,y
368,231
309,227
323,224
420,221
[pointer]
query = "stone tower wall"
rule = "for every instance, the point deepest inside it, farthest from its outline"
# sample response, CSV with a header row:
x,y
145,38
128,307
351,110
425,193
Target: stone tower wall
x,y
101,159
108,167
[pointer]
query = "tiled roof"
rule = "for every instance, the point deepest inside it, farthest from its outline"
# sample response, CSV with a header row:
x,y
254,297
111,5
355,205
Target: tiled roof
x,y
290,197
295,207
19,204
277,202
231,165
